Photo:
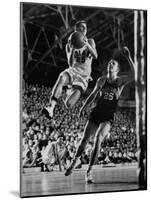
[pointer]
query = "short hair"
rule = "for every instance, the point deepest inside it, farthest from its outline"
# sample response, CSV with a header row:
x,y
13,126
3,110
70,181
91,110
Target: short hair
x,y
118,64
77,24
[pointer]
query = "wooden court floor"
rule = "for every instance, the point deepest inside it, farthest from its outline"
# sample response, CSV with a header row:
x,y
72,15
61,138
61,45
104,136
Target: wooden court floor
x,y
54,183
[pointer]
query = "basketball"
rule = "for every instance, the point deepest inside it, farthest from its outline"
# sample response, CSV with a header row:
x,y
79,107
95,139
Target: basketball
x,y
77,40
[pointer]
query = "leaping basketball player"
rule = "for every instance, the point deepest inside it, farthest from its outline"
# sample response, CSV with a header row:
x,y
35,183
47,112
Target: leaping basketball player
x,y
106,94
78,74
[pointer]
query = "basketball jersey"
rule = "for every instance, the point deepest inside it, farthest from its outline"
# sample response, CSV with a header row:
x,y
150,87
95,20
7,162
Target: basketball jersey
x,y
108,97
82,60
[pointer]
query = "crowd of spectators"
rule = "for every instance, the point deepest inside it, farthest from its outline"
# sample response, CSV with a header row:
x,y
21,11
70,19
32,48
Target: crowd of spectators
x,y
38,132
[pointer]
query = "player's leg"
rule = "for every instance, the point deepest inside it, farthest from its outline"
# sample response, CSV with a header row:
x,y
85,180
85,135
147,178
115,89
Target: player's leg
x,y
89,130
102,132
73,97
79,85
63,80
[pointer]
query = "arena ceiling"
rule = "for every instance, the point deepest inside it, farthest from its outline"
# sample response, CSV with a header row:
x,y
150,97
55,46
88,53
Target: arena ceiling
x,y
46,27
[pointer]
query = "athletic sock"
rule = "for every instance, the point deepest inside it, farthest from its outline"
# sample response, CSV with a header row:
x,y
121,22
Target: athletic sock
x,y
53,103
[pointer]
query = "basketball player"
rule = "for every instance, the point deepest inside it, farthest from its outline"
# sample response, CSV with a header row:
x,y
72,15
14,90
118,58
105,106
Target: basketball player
x,y
106,94
77,76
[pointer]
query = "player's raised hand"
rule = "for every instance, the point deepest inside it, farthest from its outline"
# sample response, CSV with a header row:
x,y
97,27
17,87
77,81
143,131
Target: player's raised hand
x,y
125,51
85,39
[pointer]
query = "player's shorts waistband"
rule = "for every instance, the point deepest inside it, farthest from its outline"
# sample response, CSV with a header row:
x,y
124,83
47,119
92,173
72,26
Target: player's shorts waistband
x,y
80,73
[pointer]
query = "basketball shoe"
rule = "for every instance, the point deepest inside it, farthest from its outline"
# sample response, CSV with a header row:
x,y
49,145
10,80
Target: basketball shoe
x,y
88,178
48,112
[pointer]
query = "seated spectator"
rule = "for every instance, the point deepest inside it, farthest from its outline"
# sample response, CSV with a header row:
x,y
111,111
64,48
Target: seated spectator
x,y
54,153
28,154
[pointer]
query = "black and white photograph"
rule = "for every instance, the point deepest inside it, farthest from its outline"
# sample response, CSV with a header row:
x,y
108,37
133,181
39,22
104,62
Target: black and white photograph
x,y
83,94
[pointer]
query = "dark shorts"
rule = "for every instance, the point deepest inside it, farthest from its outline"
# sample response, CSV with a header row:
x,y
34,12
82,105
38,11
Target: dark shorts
x,y
98,117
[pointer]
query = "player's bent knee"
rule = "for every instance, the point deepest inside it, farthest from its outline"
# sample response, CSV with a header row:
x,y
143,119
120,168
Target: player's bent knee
x,y
70,103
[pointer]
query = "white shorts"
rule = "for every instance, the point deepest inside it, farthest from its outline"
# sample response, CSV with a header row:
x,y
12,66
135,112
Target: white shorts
x,y
48,160
76,79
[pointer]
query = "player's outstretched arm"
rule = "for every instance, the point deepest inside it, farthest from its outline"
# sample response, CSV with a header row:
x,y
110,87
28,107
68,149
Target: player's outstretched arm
x,y
125,51
92,48
93,94
125,79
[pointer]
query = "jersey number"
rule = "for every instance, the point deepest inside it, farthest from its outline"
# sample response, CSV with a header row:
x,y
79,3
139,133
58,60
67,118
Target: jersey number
x,y
80,57
108,96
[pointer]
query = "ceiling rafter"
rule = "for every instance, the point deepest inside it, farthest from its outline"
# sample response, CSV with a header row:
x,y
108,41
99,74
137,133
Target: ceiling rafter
x,y
45,16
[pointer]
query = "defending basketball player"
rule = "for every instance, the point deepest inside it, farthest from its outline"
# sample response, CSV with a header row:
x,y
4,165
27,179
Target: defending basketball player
x,y
106,94
80,51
